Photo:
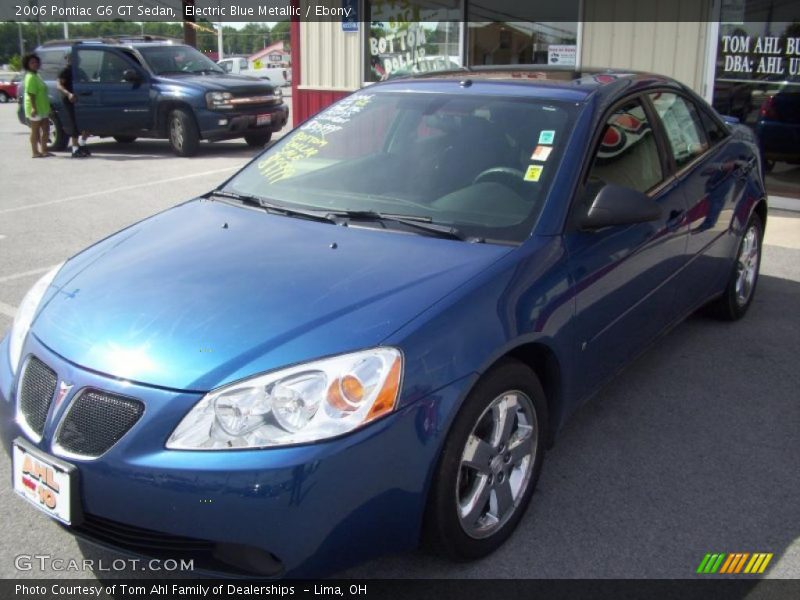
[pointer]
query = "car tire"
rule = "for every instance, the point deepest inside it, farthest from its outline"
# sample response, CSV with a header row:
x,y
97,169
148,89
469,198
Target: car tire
x,y
183,135
258,140
741,286
58,137
3,98
125,139
485,464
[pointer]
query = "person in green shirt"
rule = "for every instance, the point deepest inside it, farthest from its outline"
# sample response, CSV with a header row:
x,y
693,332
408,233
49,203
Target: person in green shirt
x,y
37,106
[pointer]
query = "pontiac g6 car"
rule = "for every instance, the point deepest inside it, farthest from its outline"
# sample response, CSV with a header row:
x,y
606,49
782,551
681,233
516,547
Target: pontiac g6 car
x,y
368,337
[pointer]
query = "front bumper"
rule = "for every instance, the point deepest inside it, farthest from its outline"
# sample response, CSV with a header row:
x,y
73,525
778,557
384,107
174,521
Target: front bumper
x,y
316,508
220,125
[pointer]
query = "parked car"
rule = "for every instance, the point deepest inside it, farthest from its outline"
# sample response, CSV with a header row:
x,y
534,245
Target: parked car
x,y
129,88
8,86
239,65
370,335
778,126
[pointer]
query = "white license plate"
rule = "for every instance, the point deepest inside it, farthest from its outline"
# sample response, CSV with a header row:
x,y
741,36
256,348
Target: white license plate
x,y
44,481
263,120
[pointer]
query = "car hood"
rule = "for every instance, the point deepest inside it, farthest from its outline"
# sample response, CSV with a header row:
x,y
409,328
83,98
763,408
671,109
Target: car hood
x,y
207,293
236,84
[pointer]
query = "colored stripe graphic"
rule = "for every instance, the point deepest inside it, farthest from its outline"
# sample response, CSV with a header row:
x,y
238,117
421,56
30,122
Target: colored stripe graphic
x,y
734,563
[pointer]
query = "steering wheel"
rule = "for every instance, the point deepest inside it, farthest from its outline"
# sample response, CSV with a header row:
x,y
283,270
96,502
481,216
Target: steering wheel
x,y
501,175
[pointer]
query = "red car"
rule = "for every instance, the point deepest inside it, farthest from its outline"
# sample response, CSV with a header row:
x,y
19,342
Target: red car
x,y
8,86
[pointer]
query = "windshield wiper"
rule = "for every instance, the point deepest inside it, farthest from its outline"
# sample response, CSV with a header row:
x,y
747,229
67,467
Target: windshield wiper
x,y
275,208
425,224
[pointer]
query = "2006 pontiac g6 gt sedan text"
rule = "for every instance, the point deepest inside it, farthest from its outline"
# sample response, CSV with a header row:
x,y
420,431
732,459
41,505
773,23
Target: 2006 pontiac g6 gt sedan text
x,y
368,337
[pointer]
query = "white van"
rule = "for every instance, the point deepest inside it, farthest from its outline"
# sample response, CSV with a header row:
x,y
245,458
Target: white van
x,y
239,66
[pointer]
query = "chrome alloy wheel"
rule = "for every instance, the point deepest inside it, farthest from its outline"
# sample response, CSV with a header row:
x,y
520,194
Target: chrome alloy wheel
x,y
176,132
496,464
747,265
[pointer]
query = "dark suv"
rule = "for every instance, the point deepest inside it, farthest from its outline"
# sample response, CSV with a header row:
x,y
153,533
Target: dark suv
x,y
156,88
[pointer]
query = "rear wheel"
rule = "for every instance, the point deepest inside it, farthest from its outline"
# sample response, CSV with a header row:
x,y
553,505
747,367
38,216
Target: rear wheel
x,y
57,139
490,464
741,288
125,139
258,140
183,135
3,98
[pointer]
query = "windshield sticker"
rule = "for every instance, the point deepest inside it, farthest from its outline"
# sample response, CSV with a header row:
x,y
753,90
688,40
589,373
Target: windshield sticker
x,y
541,153
534,173
332,119
547,136
280,165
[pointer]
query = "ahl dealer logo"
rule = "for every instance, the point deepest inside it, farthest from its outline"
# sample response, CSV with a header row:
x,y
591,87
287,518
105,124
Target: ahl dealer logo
x,y
734,563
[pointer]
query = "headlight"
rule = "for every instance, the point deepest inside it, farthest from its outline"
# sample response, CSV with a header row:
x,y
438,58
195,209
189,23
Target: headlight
x,y
24,317
217,100
304,403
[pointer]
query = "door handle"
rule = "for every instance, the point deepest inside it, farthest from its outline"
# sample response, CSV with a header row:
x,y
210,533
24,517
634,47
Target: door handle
x,y
675,219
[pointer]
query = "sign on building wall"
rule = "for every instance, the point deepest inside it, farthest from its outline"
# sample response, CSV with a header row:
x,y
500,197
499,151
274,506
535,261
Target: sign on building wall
x,y
563,55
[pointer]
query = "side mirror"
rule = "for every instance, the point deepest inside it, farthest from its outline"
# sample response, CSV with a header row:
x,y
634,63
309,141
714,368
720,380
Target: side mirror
x,y
131,76
618,205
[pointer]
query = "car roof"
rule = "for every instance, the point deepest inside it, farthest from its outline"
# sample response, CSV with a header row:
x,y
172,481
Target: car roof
x,y
542,81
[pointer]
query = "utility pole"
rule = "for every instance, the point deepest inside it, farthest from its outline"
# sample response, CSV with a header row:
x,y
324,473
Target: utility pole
x,y
21,40
219,41
189,32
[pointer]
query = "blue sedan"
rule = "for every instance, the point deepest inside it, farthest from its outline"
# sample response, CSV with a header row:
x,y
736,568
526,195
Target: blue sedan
x,y
369,336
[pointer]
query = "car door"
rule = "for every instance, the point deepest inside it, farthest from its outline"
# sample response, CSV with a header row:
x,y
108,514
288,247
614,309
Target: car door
x,y
107,103
709,175
622,275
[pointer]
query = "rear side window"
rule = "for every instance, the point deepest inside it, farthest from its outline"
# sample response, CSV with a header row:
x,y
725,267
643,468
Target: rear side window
x,y
714,131
52,63
683,126
628,153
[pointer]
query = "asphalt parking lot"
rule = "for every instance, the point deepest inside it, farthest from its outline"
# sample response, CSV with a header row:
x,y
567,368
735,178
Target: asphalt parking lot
x,y
693,449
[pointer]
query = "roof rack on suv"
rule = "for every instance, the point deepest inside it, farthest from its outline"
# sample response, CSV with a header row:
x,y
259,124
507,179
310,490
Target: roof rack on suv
x,y
112,39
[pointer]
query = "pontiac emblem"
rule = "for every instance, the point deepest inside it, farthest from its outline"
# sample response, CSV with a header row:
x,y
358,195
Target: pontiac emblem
x,y
63,390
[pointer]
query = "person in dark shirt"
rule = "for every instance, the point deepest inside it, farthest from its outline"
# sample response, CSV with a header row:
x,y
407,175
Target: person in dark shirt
x,y
65,86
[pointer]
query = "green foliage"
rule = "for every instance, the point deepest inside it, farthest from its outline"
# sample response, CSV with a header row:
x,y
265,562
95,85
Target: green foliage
x,y
15,62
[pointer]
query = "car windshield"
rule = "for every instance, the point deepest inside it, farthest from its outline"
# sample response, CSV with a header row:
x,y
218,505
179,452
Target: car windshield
x,y
481,165
177,59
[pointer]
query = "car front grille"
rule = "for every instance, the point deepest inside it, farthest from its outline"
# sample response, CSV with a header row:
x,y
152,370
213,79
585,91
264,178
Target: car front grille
x,y
95,421
36,392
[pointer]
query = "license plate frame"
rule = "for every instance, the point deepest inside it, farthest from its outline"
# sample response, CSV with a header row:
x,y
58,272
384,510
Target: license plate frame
x,y
44,479
263,119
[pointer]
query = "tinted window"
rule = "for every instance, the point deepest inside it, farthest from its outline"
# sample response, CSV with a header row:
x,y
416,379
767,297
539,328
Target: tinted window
x,y
113,68
682,124
88,64
715,132
628,153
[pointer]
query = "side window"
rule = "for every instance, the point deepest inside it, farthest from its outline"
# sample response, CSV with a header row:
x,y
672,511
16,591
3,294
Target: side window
x,y
113,67
87,65
243,64
682,124
628,153
52,63
714,131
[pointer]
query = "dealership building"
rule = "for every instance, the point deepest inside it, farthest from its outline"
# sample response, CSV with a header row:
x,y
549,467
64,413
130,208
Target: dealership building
x,y
738,54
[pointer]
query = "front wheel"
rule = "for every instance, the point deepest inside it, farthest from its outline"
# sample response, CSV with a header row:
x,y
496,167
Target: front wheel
x,y
184,137
490,464
738,294
3,98
258,140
